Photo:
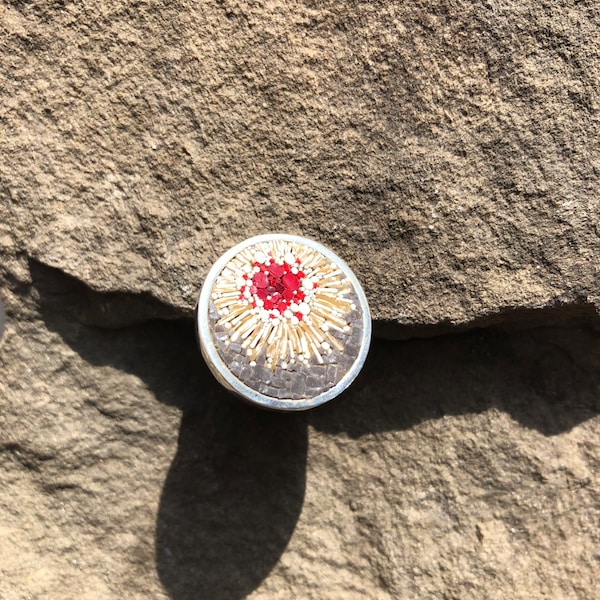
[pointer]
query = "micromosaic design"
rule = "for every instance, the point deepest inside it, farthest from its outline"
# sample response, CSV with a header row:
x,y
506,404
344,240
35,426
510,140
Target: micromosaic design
x,y
284,304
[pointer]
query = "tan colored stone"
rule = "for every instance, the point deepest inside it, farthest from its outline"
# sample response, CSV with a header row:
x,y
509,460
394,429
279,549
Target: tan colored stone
x,y
448,151
462,466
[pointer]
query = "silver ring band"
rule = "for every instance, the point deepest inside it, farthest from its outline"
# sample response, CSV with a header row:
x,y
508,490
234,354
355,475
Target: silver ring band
x,y
283,322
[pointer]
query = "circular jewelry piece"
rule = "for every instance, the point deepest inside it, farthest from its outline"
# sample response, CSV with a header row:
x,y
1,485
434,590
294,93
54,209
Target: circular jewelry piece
x,y
283,322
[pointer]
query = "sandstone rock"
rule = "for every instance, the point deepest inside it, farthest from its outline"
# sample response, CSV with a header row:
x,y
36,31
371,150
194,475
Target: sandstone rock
x,y
463,466
447,151
2,319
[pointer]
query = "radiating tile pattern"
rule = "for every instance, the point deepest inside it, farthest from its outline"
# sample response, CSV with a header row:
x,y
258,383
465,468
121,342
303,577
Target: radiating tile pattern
x,y
298,381
283,297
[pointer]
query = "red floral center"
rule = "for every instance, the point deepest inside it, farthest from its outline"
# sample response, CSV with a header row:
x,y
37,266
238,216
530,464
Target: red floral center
x,y
274,286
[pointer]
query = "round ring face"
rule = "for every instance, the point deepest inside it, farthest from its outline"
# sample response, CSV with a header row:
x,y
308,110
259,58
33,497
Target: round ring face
x,y
283,322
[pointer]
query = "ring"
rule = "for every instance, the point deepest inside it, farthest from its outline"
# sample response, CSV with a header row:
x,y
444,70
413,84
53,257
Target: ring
x,y
283,322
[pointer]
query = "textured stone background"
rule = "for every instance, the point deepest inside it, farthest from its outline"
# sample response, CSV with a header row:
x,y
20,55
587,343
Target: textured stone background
x,y
448,151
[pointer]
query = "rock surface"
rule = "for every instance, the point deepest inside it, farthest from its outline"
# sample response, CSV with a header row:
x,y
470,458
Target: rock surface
x,y
463,466
448,151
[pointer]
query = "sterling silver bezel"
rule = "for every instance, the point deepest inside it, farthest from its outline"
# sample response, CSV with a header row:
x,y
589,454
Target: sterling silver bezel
x,y
220,369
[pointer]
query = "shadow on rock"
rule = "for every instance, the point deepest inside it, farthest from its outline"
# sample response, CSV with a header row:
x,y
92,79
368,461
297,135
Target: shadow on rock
x,y
235,489
231,500
547,379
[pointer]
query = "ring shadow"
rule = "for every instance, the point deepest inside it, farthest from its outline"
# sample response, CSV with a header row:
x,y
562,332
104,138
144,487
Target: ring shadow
x,y
231,500
235,489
